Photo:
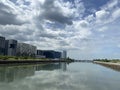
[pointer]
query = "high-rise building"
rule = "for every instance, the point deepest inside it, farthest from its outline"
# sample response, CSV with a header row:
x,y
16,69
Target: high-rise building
x,y
11,47
2,45
24,49
64,54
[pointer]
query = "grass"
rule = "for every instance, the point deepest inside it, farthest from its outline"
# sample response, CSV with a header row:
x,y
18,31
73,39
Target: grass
x,y
25,58
20,58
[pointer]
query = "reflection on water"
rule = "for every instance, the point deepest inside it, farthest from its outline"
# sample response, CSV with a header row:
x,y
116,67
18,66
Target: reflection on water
x,y
59,76
11,73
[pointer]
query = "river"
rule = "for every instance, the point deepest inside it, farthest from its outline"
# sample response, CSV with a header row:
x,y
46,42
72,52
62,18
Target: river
x,y
59,76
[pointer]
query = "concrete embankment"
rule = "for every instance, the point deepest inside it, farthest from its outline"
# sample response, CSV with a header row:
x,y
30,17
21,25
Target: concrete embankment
x,y
30,61
115,66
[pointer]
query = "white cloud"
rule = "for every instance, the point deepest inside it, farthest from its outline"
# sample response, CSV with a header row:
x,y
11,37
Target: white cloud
x,y
101,16
111,5
102,29
116,13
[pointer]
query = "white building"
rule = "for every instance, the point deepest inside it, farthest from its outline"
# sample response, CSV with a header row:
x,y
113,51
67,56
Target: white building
x,y
64,54
24,49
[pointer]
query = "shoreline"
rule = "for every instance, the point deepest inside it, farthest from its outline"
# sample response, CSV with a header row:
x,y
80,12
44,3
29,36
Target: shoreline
x,y
115,66
30,61
106,63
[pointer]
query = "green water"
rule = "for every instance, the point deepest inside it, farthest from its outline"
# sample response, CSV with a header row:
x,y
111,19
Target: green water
x,y
59,76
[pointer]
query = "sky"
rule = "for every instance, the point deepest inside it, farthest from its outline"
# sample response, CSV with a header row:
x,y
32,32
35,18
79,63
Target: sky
x,y
86,29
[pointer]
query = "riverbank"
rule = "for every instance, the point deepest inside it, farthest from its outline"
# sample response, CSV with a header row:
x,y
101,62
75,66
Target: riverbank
x,y
30,60
115,66
107,63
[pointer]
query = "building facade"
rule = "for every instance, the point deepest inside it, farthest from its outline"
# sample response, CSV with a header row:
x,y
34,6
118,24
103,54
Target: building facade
x,y
49,54
40,54
2,45
64,54
24,49
11,47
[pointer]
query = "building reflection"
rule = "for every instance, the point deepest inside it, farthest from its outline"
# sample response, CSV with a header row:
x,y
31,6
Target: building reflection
x,y
63,66
14,73
9,74
52,66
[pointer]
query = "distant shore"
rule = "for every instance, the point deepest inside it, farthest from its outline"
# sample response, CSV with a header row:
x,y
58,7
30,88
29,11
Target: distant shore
x,y
106,63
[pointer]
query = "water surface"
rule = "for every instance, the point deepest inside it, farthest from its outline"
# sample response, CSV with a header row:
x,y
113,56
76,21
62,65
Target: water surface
x,y
59,76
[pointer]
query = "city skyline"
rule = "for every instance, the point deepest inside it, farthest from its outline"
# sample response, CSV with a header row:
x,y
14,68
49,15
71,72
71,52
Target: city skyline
x,y
12,47
87,29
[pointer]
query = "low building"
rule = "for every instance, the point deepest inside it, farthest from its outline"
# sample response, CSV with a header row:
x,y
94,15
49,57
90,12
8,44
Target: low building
x,y
49,54
11,47
40,54
57,54
2,45
24,49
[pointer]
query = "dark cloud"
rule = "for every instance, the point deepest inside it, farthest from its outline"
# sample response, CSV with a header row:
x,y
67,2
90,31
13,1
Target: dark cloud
x,y
63,43
7,16
7,32
57,17
53,13
47,35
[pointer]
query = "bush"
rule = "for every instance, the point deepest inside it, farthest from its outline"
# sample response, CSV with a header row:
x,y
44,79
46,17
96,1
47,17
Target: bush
x,y
16,58
3,57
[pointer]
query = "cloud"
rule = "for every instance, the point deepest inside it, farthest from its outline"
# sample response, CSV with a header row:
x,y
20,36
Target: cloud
x,y
83,24
36,13
7,15
101,16
61,24
54,13
116,13
102,29
112,4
